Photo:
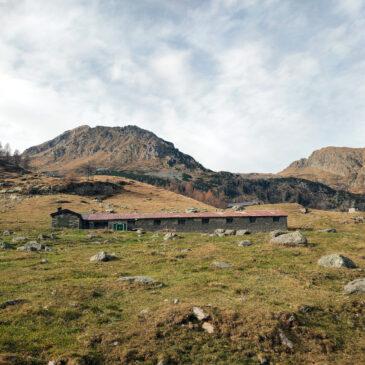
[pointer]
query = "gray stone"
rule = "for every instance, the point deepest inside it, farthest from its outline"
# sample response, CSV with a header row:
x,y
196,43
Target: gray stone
x,y
170,236
199,314
219,231
42,237
7,233
328,230
242,232
145,280
303,210
19,239
103,256
244,244
229,232
277,233
34,246
192,210
208,327
285,340
356,286
290,239
221,265
336,261
140,231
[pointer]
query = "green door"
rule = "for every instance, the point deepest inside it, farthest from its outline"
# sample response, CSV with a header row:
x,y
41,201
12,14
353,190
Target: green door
x,y
120,226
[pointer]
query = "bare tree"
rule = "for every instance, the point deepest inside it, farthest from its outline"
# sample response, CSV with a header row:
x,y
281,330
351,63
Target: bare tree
x,y
7,151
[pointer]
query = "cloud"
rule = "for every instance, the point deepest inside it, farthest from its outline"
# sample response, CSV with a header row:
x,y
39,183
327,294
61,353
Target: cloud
x,y
240,85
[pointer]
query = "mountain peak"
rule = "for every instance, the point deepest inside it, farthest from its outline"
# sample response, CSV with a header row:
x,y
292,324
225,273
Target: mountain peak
x,y
118,148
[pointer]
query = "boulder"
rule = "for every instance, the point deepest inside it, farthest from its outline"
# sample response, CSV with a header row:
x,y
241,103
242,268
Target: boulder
x,y
192,210
19,239
277,233
140,231
170,236
221,265
219,231
328,230
303,210
145,280
290,239
33,246
229,232
336,261
199,314
103,256
7,233
244,244
242,232
356,286
208,327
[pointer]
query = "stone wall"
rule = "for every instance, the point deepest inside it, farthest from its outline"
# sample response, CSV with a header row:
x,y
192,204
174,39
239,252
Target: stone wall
x,y
260,224
66,221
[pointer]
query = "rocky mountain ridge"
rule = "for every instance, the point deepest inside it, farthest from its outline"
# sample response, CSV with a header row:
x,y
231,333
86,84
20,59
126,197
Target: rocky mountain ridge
x,y
339,167
138,154
115,148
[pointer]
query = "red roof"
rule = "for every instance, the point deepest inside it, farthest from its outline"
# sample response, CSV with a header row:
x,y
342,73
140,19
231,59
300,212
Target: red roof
x,y
111,216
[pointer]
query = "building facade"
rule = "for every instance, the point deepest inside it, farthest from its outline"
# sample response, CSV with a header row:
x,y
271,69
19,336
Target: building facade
x,y
254,221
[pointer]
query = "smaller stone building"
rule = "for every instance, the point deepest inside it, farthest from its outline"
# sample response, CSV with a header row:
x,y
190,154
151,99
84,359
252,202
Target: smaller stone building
x,y
254,221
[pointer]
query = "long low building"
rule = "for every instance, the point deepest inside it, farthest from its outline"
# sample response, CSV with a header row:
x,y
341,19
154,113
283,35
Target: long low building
x,y
254,221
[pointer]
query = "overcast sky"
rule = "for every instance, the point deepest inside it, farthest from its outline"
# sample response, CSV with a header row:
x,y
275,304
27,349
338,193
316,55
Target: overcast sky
x,y
243,86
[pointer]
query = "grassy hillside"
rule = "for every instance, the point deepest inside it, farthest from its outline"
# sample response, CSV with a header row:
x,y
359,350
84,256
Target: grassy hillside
x,y
273,304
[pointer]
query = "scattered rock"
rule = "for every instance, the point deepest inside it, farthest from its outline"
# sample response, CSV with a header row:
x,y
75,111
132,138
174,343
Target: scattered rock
x,y
34,246
358,220
170,236
192,210
237,208
229,232
199,314
328,230
208,327
277,233
6,246
219,231
221,265
7,233
140,231
145,280
304,210
42,237
242,232
290,239
245,243
285,340
44,261
19,239
356,286
92,235
103,256
176,301
336,261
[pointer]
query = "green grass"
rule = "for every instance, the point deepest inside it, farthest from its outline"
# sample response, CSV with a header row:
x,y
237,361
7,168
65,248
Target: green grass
x,y
78,310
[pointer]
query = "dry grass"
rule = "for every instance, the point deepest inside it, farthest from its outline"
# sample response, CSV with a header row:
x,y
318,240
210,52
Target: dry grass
x,y
78,310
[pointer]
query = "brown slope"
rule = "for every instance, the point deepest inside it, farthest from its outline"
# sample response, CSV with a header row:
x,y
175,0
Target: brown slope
x,y
118,148
339,167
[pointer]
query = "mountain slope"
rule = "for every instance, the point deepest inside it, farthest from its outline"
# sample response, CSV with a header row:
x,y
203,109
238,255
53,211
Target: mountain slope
x,y
339,167
117,148
140,155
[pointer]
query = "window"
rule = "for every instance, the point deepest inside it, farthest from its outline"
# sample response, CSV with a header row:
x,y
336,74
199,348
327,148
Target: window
x,y
181,221
252,219
205,221
229,220
276,219
157,222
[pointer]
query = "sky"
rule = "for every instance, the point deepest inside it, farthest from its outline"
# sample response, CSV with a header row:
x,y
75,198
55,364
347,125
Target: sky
x,y
241,85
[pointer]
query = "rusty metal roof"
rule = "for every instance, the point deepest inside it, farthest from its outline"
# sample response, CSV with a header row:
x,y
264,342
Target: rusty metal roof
x,y
130,216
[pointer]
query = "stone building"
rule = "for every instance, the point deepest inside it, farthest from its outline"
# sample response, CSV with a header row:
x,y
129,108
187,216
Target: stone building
x,y
254,221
